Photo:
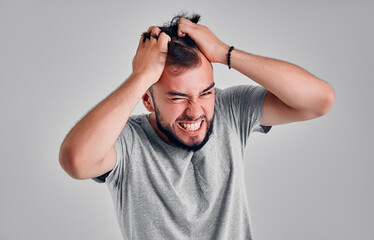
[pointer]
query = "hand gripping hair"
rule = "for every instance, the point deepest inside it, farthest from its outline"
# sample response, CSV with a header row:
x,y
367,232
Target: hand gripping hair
x,y
182,51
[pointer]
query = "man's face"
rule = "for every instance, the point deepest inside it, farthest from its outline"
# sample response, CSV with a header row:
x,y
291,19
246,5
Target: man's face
x,y
184,106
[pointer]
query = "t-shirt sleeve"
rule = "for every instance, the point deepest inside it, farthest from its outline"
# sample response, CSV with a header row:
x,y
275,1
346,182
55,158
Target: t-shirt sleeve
x,y
242,106
123,146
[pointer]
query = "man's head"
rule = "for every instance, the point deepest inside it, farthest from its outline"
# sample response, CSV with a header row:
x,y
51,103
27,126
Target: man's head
x,y
182,101
182,51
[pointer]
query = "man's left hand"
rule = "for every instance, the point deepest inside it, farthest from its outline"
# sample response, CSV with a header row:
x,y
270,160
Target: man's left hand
x,y
213,48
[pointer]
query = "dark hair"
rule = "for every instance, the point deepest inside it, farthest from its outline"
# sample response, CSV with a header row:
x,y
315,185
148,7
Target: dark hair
x,y
182,51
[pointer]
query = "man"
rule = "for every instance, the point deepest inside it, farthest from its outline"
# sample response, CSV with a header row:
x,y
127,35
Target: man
x,y
177,173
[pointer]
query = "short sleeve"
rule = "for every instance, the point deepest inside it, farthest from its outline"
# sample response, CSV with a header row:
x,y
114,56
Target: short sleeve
x,y
242,106
123,146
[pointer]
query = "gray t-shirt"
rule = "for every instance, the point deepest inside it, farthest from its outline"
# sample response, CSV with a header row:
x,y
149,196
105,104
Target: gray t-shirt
x,y
164,192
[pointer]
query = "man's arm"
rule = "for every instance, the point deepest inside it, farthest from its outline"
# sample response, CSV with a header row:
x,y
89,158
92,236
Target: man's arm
x,y
87,150
294,94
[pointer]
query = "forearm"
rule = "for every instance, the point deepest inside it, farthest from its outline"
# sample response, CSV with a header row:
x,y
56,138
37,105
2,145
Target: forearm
x,y
93,136
291,84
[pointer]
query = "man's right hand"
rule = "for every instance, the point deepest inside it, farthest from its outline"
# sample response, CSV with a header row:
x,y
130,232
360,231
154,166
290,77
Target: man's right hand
x,y
151,55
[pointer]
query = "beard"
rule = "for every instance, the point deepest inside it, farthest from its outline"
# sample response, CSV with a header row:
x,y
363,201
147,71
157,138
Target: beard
x,y
173,138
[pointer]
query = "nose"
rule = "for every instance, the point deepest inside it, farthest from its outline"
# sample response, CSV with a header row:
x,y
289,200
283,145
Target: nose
x,y
194,109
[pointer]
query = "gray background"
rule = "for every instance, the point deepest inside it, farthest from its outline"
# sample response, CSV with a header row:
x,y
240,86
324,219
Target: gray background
x,y
307,180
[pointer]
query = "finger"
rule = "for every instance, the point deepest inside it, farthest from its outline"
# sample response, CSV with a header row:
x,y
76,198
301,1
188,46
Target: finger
x,y
154,32
180,32
184,27
185,21
163,40
145,36
150,28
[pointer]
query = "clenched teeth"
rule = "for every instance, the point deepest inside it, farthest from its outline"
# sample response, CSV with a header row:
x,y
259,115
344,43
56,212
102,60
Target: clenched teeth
x,y
191,127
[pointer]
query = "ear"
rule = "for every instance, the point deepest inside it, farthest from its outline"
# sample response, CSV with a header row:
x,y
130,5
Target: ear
x,y
147,101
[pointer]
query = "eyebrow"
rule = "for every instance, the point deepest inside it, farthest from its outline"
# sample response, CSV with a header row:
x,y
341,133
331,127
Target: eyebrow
x,y
171,93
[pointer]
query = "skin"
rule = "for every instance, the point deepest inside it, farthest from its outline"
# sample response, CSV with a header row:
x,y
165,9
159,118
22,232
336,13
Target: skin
x,y
294,95
183,99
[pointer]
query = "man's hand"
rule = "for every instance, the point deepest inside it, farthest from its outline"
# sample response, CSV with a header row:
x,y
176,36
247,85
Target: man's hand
x,y
151,54
213,48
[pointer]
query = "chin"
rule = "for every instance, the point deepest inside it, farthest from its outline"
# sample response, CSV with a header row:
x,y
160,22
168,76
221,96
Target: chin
x,y
186,137
191,144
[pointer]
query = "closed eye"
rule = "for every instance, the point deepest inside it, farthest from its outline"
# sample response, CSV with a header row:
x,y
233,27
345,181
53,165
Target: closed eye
x,y
205,94
178,99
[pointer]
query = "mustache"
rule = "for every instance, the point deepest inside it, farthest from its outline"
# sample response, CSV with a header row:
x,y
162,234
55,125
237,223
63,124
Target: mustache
x,y
189,118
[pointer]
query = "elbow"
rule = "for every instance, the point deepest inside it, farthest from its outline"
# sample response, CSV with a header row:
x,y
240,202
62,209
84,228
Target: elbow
x,y
326,101
70,164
